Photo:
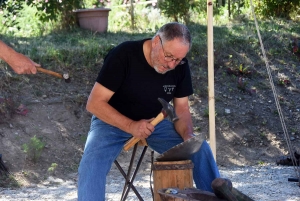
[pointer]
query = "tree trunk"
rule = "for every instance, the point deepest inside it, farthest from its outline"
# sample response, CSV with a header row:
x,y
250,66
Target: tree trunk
x,y
220,3
132,14
229,13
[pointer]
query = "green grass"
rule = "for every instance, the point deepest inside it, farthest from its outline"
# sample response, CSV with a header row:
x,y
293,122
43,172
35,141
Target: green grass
x,y
235,43
9,181
79,48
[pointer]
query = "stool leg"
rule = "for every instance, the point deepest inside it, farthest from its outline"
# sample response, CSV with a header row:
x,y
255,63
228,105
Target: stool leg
x,y
130,184
129,181
127,178
124,175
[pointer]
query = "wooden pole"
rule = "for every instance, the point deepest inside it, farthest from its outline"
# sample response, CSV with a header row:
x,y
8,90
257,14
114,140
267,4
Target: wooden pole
x,y
211,90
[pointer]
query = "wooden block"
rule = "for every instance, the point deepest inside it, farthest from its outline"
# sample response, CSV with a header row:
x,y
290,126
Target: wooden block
x,y
172,174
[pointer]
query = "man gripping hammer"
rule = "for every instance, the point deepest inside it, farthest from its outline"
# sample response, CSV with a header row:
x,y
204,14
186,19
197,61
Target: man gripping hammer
x,y
124,102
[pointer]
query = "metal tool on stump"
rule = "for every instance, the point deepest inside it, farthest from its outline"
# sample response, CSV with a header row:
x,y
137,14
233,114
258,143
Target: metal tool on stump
x,y
187,194
167,111
176,162
182,151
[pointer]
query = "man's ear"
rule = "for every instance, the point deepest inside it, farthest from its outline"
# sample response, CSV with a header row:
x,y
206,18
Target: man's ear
x,y
155,41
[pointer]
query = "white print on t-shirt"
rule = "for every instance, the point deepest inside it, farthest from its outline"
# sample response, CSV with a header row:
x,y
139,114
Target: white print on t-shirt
x,y
169,88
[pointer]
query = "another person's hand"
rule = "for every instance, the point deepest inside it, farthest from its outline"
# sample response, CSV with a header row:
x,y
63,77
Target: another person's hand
x,y
141,129
22,64
17,61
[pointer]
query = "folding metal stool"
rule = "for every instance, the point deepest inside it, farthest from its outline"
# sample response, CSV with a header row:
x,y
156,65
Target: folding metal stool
x,y
128,177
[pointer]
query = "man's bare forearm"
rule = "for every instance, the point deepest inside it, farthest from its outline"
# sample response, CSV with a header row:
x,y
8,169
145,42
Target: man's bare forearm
x,y
98,105
5,52
109,115
184,125
17,61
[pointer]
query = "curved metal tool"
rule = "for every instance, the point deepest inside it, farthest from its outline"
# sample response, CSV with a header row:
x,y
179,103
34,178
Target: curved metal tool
x,y
182,151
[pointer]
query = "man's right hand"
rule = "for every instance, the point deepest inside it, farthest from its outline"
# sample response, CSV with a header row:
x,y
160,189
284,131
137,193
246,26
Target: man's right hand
x,y
17,61
141,129
22,64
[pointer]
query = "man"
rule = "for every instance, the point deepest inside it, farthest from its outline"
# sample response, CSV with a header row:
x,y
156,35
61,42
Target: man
x,y
17,61
124,100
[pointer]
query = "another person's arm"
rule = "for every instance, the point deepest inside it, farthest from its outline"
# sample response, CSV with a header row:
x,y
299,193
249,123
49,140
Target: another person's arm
x,y
97,104
17,61
184,125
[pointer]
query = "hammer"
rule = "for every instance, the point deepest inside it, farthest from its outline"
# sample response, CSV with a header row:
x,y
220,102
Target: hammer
x,y
64,76
167,111
223,189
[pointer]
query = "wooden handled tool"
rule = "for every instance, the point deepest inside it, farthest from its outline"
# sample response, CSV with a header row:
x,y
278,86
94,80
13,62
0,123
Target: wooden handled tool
x,y
167,110
130,143
55,74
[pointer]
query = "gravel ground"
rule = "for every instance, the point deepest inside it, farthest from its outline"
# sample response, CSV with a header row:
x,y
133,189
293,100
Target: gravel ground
x,y
262,183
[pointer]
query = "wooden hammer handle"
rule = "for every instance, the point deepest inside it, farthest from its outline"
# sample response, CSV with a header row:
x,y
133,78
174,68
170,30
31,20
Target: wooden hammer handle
x,y
143,142
49,72
130,143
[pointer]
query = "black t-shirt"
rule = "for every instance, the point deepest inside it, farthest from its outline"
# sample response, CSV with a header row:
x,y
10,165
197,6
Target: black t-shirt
x,y
137,85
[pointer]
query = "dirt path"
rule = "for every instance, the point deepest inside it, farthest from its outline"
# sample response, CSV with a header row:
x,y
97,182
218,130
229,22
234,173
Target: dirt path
x,y
261,183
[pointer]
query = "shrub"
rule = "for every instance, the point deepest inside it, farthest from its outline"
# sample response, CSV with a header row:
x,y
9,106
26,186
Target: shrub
x,y
95,3
53,9
175,9
34,148
52,168
283,8
49,10
10,11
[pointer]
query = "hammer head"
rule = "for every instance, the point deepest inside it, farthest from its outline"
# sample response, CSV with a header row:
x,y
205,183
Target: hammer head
x,y
168,110
66,77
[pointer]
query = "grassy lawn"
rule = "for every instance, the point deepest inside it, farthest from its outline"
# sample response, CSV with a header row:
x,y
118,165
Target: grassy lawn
x,y
79,48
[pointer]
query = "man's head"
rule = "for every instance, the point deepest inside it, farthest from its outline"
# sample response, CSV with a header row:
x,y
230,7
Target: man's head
x,y
169,46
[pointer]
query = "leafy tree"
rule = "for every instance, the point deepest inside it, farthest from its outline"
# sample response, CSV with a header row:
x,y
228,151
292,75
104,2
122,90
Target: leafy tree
x,y
53,9
96,3
50,10
272,8
10,11
176,9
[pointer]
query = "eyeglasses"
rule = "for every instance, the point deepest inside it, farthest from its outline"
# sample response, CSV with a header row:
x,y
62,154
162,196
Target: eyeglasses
x,y
170,58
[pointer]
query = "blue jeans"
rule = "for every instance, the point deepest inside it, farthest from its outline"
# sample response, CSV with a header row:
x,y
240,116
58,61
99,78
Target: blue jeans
x,y
105,142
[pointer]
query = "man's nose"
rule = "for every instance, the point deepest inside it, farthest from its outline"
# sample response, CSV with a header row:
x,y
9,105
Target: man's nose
x,y
172,64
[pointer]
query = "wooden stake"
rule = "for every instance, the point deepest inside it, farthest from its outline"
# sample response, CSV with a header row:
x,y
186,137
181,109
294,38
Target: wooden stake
x,y
211,90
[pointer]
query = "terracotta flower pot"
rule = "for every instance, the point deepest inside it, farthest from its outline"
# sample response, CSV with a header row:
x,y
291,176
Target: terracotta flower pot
x,y
95,19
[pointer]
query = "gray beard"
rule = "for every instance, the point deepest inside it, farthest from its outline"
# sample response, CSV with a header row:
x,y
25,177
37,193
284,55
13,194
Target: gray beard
x,y
156,69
